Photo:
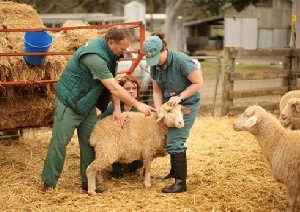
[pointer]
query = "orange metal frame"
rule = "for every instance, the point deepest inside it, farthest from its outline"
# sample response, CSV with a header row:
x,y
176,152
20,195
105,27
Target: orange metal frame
x,y
129,25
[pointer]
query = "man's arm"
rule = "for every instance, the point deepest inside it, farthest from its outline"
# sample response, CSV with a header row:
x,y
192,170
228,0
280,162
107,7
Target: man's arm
x,y
119,92
117,114
98,68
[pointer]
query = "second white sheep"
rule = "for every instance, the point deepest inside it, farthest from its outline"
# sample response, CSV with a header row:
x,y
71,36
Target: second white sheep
x,y
281,148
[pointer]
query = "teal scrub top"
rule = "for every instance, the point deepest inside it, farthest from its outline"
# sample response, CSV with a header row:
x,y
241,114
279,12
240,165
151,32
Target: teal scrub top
x,y
173,79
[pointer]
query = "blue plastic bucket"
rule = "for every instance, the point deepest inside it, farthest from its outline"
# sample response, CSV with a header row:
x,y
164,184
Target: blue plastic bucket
x,y
36,42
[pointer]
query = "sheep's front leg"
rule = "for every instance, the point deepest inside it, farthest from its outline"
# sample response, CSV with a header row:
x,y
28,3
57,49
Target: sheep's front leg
x,y
292,195
91,173
147,179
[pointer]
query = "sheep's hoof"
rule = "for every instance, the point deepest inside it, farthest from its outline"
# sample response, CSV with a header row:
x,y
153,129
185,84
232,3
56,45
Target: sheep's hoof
x,y
100,190
92,193
147,185
97,191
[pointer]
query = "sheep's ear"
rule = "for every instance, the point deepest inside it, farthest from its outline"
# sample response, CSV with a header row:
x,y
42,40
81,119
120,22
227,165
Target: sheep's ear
x,y
159,117
250,121
185,110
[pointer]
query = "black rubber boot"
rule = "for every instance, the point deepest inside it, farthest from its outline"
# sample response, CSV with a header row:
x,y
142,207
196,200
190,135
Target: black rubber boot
x,y
169,176
179,165
171,173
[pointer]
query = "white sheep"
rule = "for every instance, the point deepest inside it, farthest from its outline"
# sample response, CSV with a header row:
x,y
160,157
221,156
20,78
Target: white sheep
x,y
141,139
291,110
281,147
294,122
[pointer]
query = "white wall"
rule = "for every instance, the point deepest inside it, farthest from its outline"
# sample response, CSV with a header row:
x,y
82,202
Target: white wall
x,y
273,38
241,32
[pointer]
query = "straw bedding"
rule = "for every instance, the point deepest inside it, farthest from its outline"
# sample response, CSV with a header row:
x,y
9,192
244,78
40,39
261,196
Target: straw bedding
x,y
226,172
37,98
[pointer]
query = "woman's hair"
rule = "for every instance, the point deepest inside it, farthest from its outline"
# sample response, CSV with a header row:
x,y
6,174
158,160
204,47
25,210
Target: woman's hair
x,y
162,36
132,79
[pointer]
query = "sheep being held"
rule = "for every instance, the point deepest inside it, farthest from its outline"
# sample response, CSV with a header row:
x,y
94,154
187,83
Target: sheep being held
x,y
281,147
141,139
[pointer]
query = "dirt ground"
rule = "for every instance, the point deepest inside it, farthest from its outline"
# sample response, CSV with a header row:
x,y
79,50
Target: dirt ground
x,y
226,172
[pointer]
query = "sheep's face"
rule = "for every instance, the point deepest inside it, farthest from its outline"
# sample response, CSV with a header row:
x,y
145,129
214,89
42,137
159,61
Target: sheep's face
x,y
291,109
173,115
247,120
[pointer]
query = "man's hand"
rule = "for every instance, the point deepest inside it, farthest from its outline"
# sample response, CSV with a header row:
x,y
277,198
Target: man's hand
x,y
120,118
146,109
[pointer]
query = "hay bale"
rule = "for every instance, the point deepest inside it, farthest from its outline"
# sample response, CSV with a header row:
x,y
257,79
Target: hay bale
x,y
30,105
26,112
76,38
16,16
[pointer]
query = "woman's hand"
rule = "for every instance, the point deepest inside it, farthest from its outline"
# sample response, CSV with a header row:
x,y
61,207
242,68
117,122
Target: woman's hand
x,y
174,100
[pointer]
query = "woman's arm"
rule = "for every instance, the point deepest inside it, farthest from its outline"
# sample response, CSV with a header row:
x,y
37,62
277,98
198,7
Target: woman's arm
x,y
196,79
109,111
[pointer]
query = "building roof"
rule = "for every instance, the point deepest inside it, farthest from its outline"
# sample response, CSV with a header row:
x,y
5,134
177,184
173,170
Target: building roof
x,y
209,20
80,16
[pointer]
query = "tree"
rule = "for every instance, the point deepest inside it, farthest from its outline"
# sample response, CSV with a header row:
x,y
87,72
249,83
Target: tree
x,y
214,6
175,8
172,37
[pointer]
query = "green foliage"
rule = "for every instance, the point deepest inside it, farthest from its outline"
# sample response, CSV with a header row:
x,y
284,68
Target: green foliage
x,y
239,5
194,8
215,6
67,6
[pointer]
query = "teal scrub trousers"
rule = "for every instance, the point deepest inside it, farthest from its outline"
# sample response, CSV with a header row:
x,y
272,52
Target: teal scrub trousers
x,y
176,137
65,123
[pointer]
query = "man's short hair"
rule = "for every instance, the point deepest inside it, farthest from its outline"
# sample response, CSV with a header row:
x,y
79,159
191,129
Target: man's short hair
x,y
117,33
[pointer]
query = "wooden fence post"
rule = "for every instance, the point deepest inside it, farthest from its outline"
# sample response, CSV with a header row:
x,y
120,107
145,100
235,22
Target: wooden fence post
x,y
294,70
227,84
287,64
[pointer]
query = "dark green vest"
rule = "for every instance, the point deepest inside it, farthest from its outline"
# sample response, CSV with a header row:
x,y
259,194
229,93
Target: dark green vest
x,y
76,87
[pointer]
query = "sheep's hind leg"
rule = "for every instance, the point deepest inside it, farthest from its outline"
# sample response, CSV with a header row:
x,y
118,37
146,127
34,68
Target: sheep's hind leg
x,y
99,176
292,195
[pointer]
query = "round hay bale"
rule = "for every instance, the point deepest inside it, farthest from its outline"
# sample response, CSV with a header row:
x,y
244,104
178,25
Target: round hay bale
x,y
78,37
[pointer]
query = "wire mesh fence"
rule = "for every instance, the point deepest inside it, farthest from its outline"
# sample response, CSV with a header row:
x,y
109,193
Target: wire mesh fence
x,y
211,92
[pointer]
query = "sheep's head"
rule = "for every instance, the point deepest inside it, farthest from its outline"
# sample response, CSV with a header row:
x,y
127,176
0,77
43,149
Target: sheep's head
x,y
291,109
247,120
172,115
